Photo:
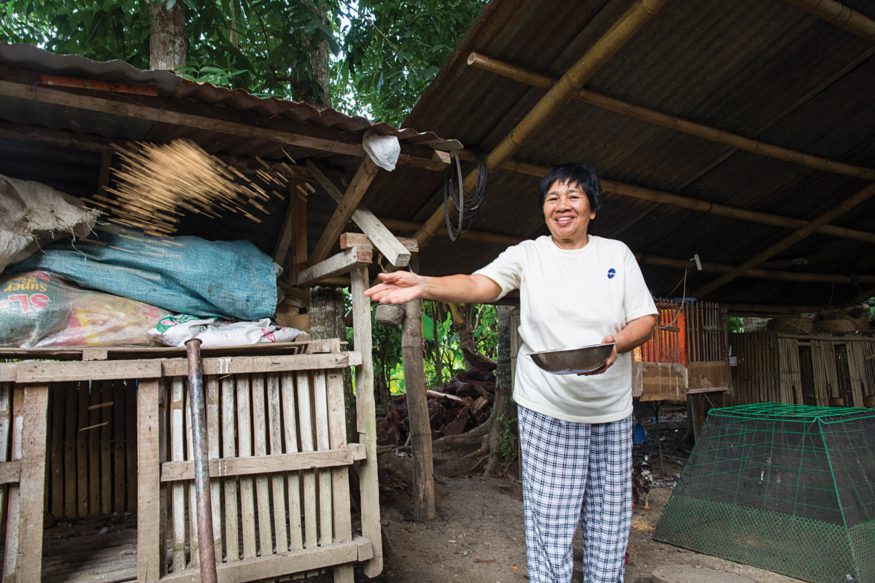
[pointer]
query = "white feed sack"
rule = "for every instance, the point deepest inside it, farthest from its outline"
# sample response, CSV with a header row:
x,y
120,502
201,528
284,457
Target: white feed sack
x,y
34,214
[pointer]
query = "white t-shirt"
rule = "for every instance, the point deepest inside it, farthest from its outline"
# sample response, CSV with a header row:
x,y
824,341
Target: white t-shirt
x,y
571,298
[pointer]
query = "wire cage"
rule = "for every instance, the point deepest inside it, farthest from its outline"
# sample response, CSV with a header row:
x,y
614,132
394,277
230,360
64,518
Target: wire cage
x,y
788,488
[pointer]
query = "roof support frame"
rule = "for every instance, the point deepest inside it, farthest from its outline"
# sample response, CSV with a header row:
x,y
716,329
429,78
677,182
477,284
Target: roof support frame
x,y
574,78
846,205
671,122
840,15
163,115
355,192
695,204
394,250
647,259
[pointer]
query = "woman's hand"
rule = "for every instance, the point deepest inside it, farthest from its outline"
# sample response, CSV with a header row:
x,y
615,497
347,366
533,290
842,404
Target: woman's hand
x,y
608,363
397,287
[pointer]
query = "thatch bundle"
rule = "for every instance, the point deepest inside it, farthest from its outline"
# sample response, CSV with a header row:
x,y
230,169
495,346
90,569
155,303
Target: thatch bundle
x,y
155,185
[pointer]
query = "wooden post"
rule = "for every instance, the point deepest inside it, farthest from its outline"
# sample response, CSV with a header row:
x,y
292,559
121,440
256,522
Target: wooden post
x,y
149,523
417,413
366,419
28,565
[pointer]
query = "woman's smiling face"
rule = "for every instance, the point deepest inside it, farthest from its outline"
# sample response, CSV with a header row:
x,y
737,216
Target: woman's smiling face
x,y
567,214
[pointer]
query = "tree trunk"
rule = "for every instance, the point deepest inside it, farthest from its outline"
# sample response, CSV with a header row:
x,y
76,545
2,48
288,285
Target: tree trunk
x,y
417,414
462,324
503,409
327,321
167,44
315,90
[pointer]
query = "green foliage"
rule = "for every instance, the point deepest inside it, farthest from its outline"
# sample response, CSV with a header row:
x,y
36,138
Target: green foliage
x,y
386,51
736,324
97,29
393,49
508,448
262,46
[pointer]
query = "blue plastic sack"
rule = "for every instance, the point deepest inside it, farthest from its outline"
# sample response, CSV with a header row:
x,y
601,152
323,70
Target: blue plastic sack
x,y
187,275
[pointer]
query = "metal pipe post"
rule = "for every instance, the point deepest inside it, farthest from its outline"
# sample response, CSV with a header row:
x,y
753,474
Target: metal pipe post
x,y
206,544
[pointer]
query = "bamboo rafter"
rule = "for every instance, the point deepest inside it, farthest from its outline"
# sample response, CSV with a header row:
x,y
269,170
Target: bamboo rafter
x,y
694,204
839,15
846,205
680,264
574,78
671,122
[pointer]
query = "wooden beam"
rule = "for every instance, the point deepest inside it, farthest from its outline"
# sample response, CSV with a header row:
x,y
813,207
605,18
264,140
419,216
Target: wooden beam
x,y
839,15
350,240
838,210
694,204
341,263
580,72
417,407
647,259
284,241
281,564
266,464
299,210
711,267
671,122
362,179
772,309
382,238
366,419
129,108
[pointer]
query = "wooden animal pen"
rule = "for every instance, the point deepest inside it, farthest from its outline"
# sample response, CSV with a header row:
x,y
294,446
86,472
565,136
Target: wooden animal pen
x,y
112,433
687,354
804,369
104,434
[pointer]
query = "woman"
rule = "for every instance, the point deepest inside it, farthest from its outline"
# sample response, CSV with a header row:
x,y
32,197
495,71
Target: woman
x,y
575,431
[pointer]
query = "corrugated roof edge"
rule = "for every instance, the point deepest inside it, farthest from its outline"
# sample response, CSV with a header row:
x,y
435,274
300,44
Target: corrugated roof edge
x,y
171,85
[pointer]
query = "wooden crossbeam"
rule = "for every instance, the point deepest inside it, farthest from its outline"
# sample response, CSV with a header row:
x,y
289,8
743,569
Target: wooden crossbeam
x,y
347,205
671,122
695,204
680,264
840,15
574,78
129,108
838,210
343,262
395,252
266,464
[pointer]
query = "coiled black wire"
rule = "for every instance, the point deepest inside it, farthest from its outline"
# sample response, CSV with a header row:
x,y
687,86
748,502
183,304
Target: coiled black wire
x,y
464,202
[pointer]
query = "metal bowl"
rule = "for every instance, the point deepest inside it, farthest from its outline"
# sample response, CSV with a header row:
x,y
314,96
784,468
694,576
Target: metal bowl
x,y
573,360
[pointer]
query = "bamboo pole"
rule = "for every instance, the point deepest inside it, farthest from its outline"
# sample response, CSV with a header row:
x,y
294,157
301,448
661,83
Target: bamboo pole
x,y
660,197
838,210
499,239
672,122
839,15
579,73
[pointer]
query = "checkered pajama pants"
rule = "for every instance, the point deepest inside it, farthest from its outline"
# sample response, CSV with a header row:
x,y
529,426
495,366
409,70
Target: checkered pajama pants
x,y
568,468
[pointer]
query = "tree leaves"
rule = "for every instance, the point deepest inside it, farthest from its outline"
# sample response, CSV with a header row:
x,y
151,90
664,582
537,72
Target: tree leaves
x,y
386,51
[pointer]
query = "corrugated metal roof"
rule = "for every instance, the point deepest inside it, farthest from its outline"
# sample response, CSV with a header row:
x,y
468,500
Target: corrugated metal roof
x,y
172,86
63,145
762,69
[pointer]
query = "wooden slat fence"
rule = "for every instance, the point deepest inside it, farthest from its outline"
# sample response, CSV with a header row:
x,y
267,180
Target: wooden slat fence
x,y
91,449
812,370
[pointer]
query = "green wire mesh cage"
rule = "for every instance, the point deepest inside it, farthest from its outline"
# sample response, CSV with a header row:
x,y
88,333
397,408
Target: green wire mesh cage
x,y
788,488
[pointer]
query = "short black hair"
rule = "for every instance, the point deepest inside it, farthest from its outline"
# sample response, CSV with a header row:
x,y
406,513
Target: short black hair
x,y
575,173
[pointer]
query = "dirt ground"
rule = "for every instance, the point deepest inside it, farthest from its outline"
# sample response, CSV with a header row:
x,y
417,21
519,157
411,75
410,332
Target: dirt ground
x,y
478,538
478,535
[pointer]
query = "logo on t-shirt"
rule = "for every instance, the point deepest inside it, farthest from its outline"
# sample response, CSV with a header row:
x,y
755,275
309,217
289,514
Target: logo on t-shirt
x,y
611,273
